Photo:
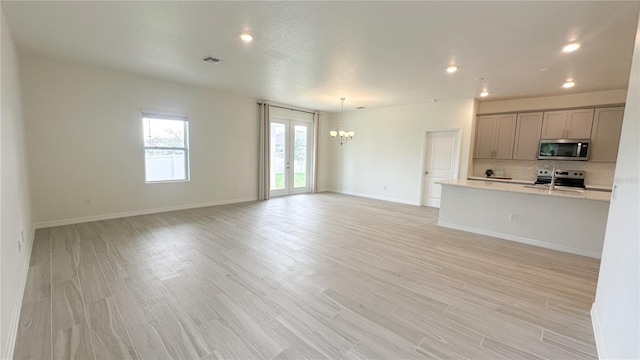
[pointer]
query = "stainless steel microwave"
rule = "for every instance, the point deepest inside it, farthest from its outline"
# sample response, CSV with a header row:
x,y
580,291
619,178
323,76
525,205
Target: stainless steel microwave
x,y
564,149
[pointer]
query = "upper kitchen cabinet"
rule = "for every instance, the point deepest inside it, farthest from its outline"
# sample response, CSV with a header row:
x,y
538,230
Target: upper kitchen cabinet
x,y
605,135
579,124
527,140
567,124
554,125
495,135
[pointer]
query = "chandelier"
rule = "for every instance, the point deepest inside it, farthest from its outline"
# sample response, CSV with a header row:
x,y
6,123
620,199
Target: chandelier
x,y
342,136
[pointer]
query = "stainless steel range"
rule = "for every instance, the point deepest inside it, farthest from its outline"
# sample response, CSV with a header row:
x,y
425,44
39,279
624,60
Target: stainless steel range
x,y
569,178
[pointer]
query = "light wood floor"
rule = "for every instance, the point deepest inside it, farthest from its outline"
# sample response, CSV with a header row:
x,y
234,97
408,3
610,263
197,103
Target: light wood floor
x,y
306,276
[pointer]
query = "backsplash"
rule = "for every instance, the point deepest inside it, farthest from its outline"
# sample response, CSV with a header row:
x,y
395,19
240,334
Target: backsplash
x,y
596,174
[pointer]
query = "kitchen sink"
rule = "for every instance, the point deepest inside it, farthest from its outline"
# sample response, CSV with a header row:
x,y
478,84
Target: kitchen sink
x,y
539,187
568,189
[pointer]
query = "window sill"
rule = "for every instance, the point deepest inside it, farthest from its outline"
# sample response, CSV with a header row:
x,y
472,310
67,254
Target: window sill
x,y
167,181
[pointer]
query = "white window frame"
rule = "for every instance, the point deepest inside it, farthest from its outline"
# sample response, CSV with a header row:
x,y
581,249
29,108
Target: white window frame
x,y
150,115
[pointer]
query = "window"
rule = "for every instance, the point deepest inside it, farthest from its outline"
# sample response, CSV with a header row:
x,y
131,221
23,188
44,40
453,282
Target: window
x,y
166,150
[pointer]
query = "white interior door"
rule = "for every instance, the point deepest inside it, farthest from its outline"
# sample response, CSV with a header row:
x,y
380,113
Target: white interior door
x,y
290,157
442,151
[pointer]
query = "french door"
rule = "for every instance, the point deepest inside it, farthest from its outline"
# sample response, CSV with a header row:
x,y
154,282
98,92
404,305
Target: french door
x,y
290,157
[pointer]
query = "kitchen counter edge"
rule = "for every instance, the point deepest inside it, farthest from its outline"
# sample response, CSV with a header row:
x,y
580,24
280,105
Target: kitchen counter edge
x,y
520,188
530,182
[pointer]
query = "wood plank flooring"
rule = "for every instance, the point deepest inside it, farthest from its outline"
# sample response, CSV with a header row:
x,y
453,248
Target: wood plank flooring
x,y
300,277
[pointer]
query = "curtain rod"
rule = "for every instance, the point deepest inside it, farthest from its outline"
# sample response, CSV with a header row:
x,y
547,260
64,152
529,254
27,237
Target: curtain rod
x,y
286,108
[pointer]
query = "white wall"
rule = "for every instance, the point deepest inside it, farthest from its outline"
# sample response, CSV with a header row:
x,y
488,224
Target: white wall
x,y
15,209
607,97
387,148
616,311
85,141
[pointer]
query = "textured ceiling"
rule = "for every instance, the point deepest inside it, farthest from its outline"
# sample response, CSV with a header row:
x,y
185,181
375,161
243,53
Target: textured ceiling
x,y
309,54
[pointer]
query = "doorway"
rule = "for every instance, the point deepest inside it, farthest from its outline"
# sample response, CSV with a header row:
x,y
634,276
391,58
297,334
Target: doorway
x,y
441,154
290,157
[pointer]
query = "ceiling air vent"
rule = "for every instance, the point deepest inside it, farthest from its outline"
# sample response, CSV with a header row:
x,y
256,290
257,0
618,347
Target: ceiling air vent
x,y
211,59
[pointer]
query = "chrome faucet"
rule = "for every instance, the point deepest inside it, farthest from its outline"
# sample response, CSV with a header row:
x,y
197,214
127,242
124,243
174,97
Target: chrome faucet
x,y
552,186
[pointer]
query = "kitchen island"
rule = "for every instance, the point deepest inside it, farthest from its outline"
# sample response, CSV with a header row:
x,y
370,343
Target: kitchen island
x,y
565,220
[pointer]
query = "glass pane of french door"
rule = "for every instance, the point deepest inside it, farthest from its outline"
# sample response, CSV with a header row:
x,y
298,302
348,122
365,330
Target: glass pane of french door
x,y
300,155
278,156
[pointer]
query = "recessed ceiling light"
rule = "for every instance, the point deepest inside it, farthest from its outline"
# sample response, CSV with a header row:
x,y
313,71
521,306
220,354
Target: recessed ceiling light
x,y
451,69
545,69
568,84
484,93
246,37
571,47
211,59
360,107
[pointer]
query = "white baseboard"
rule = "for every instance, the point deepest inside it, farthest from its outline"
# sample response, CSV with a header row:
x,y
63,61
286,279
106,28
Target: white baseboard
x,y
383,198
79,220
597,332
543,244
17,308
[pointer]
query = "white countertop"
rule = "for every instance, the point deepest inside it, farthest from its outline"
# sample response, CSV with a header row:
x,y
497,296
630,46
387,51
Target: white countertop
x,y
515,181
529,182
520,188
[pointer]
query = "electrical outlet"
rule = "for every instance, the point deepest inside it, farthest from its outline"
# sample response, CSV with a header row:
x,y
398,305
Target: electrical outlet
x,y
512,217
87,201
235,188
384,187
